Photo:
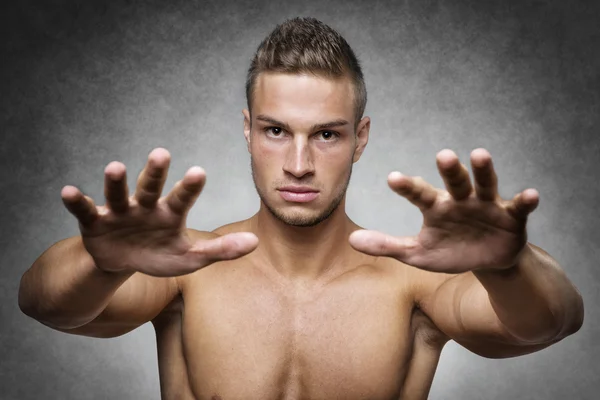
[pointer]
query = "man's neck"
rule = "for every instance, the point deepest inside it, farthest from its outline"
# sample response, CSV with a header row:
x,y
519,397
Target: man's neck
x,y
305,253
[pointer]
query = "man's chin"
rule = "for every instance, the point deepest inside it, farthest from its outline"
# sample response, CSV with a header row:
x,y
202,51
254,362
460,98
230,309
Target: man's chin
x,y
298,219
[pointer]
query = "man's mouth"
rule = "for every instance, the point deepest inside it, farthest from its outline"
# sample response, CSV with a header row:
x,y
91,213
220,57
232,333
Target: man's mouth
x,y
298,194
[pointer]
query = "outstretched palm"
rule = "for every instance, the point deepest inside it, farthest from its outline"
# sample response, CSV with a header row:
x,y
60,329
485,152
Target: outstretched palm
x,y
145,232
464,228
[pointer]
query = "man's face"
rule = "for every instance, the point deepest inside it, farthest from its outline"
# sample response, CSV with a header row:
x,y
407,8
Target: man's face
x,y
302,133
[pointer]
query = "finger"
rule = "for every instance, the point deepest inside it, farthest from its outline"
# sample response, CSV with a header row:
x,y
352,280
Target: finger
x,y
115,187
455,175
152,178
414,189
226,247
206,252
486,182
186,191
379,244
82,207
523,203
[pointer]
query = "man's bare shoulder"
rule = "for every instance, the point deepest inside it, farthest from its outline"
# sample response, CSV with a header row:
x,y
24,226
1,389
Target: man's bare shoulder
x,y
238,226
417,285
418,282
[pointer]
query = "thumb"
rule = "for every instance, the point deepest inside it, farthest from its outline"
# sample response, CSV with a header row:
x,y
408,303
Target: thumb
x,y
226,247
379,244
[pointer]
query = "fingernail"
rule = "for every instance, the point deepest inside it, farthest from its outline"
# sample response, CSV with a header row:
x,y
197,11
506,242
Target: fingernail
x,y
395,175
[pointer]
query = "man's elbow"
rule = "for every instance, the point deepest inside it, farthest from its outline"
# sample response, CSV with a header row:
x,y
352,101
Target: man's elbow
x,y
570,320
26,304
31,306
574,318
555,326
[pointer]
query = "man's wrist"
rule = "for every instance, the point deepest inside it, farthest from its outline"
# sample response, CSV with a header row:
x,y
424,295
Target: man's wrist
x,y
506,272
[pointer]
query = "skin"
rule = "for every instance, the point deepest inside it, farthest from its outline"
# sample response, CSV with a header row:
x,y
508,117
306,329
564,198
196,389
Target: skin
x,y
299,302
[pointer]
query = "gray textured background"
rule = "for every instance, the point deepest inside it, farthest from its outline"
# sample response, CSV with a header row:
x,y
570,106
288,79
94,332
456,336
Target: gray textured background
x,y
85,83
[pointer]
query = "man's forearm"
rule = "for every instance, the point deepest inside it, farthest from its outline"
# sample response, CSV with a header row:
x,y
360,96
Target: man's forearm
x,y
64,288
534,300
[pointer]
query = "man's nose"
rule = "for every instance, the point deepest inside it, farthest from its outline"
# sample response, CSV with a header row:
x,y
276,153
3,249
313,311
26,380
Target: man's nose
x,y
299,161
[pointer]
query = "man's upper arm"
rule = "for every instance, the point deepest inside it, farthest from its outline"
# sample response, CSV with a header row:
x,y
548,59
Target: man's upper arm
x,y
137,301
460,307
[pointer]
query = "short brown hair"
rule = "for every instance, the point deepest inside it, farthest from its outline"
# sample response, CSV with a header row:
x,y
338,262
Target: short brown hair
x,y
306,45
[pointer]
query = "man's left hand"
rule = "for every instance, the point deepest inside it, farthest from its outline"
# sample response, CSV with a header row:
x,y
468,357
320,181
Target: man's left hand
x,y
465,227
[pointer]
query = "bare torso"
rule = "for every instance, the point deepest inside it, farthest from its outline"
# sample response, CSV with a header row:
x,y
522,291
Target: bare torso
x,y
239,332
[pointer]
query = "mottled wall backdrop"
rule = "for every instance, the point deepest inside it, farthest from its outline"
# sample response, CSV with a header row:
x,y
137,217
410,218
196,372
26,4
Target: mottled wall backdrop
x,y
87,82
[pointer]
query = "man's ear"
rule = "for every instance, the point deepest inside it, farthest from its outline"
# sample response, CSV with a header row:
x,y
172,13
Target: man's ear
x,y
362,137
247,126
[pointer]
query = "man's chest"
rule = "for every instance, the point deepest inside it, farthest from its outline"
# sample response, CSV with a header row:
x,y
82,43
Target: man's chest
x,y
250,338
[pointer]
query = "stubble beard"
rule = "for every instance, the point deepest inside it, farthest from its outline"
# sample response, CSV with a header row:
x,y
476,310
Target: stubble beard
x,y
298,219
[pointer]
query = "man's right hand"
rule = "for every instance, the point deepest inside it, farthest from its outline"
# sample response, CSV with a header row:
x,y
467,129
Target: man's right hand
x,y
145,232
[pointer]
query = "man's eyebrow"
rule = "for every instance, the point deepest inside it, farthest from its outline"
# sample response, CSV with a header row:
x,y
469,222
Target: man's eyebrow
x,y
332,124
273,121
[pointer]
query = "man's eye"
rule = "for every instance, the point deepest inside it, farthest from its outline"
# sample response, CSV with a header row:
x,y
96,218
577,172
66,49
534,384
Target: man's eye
x,y
274,130
328,135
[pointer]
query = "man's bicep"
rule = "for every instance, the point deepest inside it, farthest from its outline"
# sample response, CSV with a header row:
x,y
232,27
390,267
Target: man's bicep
x,y
460,307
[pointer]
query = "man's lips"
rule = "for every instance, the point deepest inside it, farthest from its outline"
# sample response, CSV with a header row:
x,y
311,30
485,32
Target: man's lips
x,y
298,194
297,189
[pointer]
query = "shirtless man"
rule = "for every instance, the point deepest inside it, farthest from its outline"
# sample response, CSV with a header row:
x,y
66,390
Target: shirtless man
x,y
298,302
